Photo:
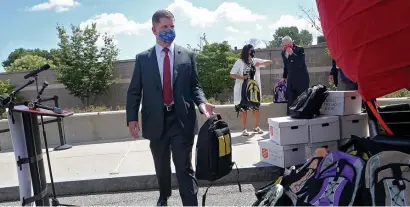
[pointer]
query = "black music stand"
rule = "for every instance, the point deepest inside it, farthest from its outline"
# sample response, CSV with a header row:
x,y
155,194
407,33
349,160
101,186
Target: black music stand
x,y
34,151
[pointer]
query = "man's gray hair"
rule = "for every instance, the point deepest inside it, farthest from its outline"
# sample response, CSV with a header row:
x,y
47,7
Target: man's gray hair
x,y
286,38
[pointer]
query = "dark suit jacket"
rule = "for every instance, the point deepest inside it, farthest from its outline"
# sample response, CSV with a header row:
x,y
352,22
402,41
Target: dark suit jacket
x,y
295,69
146,86
336,72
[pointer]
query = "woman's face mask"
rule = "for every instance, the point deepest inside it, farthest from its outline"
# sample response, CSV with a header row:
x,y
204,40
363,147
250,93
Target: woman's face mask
x,y
252,54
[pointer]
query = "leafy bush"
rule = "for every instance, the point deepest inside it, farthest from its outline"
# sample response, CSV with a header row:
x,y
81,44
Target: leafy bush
x,y
398,94
93,108
5,89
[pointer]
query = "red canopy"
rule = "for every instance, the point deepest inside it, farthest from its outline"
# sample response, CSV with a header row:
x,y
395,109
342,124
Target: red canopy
x,y
370,41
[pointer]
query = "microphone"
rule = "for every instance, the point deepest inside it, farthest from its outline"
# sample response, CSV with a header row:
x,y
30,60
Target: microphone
x,y
23,86
45,84
34,72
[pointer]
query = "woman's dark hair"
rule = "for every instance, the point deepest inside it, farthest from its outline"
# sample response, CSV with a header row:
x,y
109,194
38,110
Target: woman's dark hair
x,y
245,53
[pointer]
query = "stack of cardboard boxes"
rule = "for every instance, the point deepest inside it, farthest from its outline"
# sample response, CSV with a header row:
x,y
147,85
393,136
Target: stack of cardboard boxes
x,y
293,141
347,105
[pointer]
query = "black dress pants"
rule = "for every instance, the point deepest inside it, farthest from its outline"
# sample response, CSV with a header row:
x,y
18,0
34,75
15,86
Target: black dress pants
x,y
181,146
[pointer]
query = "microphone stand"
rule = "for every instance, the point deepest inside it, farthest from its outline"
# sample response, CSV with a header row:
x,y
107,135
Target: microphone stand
x,y
34,105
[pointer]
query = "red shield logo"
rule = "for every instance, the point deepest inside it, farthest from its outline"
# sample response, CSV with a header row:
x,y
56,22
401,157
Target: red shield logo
x,y
265,153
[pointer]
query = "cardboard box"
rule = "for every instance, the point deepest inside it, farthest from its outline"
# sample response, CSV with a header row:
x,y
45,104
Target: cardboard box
x,y
311,147
324,128
342,103
356,124
288,131
281,156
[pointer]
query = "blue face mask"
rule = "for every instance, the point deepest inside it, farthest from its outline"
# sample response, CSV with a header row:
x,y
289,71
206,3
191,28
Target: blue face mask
x,y
167,36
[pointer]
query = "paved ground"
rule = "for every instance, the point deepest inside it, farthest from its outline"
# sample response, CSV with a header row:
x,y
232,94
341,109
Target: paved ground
x,y
125,158
217,196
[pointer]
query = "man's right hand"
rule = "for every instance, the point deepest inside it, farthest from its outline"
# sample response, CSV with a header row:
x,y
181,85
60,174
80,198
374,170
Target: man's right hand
x,y
245,77
283,80
134,129
331,79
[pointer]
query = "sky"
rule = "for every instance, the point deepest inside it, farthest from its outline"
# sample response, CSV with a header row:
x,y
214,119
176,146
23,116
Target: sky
x,y
32,23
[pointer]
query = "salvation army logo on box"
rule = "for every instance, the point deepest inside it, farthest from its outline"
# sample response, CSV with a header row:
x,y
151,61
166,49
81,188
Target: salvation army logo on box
x,y
265,153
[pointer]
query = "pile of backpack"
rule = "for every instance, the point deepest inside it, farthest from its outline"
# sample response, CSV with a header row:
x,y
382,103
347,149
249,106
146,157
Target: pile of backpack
x,y
363,172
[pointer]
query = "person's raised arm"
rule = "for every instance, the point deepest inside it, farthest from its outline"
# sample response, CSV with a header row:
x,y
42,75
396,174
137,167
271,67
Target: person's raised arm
x,y
262,62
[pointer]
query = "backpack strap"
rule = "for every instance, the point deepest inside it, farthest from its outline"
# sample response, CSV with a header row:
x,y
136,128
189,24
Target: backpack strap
x,y
218,116
275,93
237,109
239,185
398,180
237,178
204,196
215,117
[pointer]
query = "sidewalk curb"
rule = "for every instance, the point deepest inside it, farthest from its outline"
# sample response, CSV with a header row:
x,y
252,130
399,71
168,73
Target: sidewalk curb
x,y
141,182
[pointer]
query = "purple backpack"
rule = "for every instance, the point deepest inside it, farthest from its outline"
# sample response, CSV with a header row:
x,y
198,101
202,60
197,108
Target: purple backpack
x,y
336,181
280,93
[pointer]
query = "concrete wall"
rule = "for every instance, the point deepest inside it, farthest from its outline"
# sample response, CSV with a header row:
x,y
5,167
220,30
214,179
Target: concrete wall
x,y
318,65
110,126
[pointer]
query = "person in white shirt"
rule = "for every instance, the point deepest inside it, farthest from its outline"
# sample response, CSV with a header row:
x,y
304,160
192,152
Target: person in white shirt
x,y
239,72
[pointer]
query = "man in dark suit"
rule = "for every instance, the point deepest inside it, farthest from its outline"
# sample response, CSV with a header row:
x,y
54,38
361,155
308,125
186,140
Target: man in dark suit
x,y
165,78
340,80
295,72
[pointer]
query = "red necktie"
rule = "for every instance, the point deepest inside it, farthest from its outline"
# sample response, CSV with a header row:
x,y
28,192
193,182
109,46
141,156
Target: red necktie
x,y
167,91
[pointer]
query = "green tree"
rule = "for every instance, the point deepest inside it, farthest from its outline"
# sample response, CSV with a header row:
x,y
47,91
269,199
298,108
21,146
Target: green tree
x,y
214,62
5,89
85,69
306,38
20,52
28,62
303,37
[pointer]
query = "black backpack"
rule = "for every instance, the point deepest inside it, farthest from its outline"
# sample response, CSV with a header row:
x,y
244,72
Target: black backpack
x,y
308,104
250,93
214,152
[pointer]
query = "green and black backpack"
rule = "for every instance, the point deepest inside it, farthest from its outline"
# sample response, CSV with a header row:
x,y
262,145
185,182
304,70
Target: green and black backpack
x,y
250,93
